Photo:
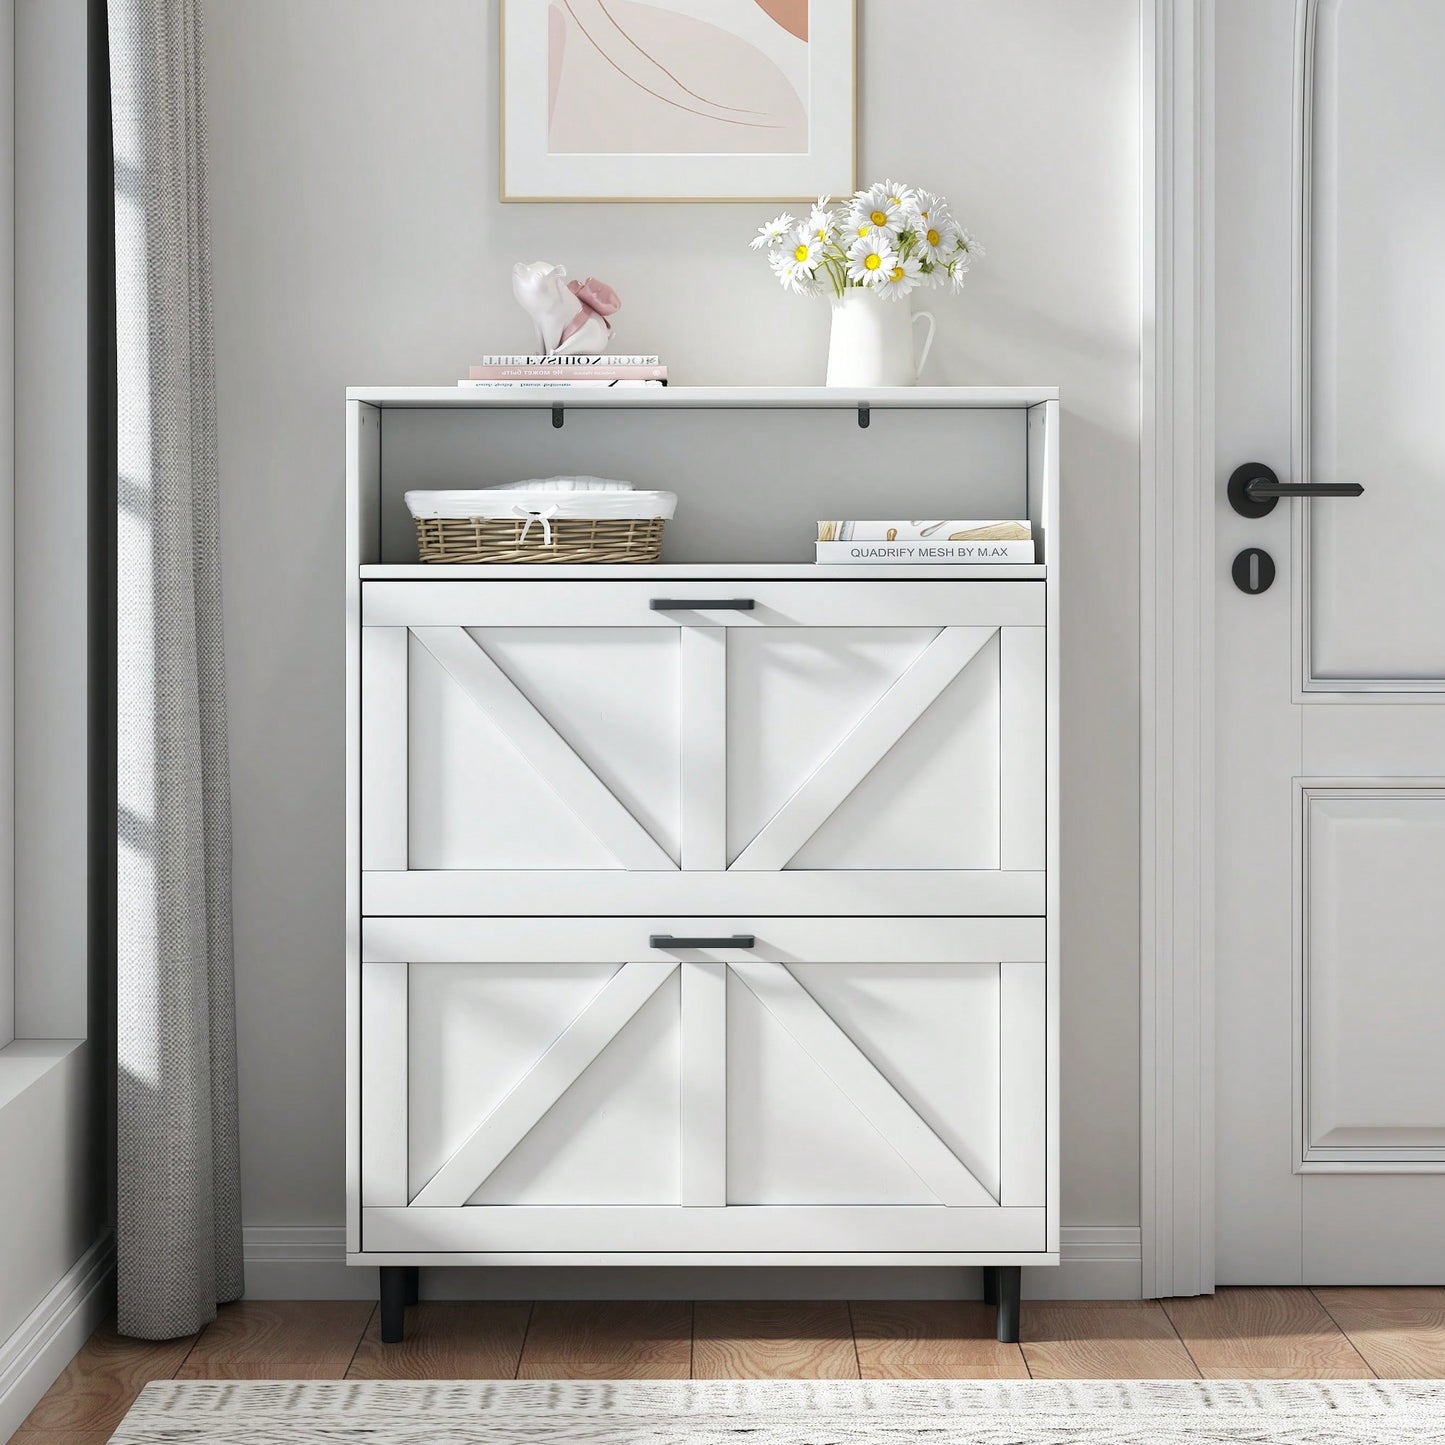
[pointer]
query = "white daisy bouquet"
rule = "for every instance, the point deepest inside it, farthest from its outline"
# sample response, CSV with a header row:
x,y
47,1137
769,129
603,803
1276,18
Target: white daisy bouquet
x,y
891,239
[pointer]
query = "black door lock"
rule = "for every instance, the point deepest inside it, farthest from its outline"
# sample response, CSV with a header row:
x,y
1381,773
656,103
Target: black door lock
x,y
1253,570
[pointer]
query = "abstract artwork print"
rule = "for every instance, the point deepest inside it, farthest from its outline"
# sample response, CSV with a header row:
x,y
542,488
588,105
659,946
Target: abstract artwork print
x,y
677,99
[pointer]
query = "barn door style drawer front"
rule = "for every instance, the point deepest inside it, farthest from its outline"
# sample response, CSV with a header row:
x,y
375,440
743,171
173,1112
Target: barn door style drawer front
x,y
809,747
682,1085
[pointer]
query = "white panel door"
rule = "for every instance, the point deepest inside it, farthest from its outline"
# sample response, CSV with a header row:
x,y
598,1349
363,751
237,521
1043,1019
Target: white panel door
x,y
802,747
734,1070
1330,334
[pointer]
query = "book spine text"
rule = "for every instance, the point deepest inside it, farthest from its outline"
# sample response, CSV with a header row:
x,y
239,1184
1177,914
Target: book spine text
x,y
606,359
922,552
561,383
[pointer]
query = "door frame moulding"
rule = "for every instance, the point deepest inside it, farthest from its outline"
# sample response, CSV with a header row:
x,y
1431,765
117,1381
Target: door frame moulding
x,y
1176,647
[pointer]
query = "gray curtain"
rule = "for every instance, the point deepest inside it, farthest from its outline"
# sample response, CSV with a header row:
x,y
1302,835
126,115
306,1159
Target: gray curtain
x,y
178,1220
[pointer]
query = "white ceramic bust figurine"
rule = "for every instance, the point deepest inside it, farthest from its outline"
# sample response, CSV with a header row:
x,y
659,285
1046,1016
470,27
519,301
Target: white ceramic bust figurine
x,y
571,317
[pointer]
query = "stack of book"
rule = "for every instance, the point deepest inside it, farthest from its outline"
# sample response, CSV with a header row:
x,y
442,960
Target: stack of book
x,y
538,373
921,542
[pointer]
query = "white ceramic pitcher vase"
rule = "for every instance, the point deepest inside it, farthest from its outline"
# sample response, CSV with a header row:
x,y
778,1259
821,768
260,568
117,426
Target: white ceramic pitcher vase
x,y
872,341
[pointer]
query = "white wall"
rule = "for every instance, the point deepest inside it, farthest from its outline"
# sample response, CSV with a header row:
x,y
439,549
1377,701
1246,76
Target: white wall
x,y
7,523
54,1235
52,718
56,1257
359,239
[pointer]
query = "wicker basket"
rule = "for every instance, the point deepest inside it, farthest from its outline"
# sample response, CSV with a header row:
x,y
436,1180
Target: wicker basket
x,y
573,539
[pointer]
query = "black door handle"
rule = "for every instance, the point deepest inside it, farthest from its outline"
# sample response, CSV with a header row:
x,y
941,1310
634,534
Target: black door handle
x,y
1254,490
701,604
735,940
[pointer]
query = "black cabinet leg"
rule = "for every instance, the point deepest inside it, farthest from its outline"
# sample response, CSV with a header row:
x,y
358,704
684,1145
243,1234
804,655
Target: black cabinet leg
x,y
990,1284
413,1283
393,1302
1007,1278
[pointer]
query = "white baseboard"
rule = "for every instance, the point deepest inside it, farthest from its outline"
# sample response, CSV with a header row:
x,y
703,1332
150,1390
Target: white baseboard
x,y
1097,1261
309,1262
53,1332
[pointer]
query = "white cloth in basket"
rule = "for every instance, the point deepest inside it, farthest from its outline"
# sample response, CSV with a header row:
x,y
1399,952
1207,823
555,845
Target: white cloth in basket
x,y
510,502
563,484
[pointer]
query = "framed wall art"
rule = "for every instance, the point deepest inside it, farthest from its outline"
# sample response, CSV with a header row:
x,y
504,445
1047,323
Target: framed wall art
x,y
677,100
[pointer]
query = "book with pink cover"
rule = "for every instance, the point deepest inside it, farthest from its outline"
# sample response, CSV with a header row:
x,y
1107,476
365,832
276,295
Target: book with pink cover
x,y
924,531
531,372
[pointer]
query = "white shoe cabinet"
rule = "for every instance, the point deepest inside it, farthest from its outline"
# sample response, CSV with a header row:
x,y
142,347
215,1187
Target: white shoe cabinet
x,y
704,912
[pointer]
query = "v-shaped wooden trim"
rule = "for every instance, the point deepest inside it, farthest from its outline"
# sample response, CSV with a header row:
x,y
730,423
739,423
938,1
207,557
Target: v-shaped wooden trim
x,y
550,755
861,1082
545,1082
863,748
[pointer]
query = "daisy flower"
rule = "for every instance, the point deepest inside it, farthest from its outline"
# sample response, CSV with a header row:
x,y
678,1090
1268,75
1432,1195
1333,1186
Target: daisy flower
x,y
879,209
968,251
927,208
793,273
773,232
852,228
968,245
871,258
904,197
802,253
935,239
903,276
820,220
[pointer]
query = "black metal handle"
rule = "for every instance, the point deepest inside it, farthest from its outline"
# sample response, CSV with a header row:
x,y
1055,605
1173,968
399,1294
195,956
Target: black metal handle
x,y
1306,489
702,604
1254,489
734,940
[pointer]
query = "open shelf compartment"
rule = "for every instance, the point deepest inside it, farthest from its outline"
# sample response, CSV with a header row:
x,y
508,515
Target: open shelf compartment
x,y
753,469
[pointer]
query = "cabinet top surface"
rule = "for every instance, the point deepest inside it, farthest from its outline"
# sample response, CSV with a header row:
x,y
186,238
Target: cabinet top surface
x,y
702,572
839,397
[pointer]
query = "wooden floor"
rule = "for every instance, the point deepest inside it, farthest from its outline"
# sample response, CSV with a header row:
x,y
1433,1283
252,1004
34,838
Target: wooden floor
x,y
1237,1333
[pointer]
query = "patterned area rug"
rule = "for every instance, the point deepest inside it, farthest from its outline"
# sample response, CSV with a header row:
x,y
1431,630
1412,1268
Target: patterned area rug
x,y
785,1412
